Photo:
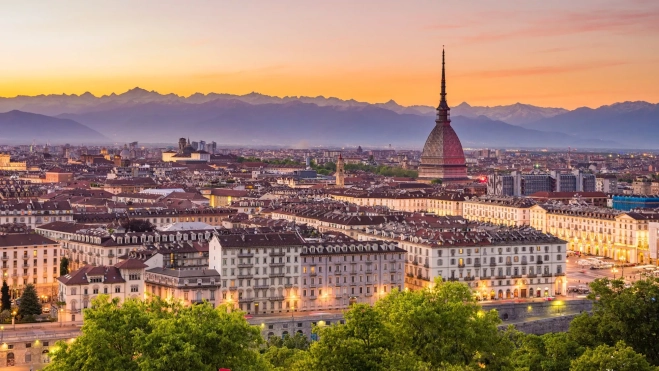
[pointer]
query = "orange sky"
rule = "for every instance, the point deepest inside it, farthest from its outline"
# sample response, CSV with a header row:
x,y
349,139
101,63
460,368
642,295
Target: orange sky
x,y
549,53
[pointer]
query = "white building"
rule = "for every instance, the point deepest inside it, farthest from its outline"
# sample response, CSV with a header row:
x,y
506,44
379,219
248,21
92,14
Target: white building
x,y
30,259
186,286
337,274
495,263
77,289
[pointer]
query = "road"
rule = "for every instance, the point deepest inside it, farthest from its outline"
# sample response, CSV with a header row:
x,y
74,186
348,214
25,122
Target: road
x,y
578,275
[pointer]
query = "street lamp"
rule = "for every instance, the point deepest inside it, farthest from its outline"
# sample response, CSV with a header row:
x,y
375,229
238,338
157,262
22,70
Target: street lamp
x,y
614,271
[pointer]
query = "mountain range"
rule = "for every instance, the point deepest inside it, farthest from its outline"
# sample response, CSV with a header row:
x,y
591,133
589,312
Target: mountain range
x,y
257,119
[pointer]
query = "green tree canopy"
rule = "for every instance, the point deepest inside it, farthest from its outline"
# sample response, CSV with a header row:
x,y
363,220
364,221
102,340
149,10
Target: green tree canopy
x,y
157,335
6,297
29,302
617,358
64,266
620,313
436,328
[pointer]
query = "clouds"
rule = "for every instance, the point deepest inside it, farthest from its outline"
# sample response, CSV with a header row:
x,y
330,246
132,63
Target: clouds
x,y
541,70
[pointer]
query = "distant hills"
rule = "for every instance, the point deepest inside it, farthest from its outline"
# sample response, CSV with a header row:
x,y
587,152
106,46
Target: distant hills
x,y
23,127
257,119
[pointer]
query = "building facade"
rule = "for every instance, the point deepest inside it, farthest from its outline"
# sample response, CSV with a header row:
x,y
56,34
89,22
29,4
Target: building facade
x,y
77,289
30,259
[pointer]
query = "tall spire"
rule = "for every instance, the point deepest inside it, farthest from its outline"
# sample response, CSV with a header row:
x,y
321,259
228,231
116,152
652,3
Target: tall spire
x,y
443,109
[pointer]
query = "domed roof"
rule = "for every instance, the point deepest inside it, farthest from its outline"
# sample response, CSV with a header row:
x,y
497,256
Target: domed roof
x,y
443,143
125,153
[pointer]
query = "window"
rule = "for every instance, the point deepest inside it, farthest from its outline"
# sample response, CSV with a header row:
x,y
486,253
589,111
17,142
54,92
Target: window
x,y
95,290
117,289
135,288
28,345
134,277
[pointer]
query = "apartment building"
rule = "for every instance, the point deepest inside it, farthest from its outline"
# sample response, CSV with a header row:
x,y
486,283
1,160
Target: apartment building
x,y
623,236
281,272
439,203
30,259
496,263
77,289
509,211
336,275
34,213
187,286
94,245
260,272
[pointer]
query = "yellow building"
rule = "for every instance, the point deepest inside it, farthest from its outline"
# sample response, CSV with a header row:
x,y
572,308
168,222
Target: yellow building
x,y
7,165
597,231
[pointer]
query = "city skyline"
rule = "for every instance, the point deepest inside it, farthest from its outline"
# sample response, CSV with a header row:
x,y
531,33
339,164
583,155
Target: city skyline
x,y
502,54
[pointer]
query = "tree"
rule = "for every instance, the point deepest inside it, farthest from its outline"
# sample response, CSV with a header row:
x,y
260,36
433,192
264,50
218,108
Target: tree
x,y
6,298
604,358
29,305
620,313
64,266
156,335
441,327
436,181
137,225
283,353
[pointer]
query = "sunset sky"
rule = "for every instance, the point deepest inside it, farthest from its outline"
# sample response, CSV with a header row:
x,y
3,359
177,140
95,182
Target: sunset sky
x,y
549,53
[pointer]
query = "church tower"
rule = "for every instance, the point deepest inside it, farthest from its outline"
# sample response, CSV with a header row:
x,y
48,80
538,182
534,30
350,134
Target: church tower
x,y
340,172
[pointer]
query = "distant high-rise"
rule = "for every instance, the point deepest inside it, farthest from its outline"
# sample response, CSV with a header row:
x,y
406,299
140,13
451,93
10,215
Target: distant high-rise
x,y
443,157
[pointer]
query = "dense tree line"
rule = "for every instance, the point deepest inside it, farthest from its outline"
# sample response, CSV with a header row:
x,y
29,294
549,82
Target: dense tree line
x,y
439,328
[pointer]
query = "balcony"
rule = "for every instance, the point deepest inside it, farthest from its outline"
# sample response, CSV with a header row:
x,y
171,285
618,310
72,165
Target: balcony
x,y
516,276
426,265
277,264
493,264
233,288
368,294
421,277
245,276
524,263
277,253
261,287
414,262
559,274
26,265
500,277
452,279
338,284
369,271
245,300
411,275
276,298
288,285
546,275
313,273
461,265
538,261
477,265
274,275
245,265
468,278
509,263
245,255
531,275
110,254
